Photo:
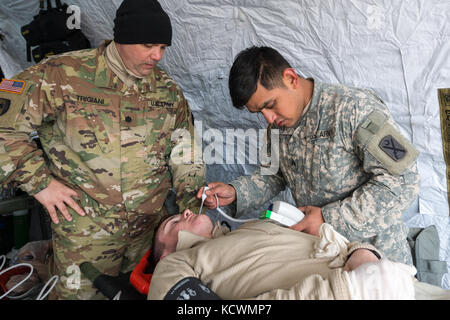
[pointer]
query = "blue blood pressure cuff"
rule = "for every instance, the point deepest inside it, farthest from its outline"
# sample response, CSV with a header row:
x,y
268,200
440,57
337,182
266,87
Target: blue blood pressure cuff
x,y
190,289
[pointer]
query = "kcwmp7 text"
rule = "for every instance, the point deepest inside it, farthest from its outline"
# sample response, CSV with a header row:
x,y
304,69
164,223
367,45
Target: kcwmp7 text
x,y
229,309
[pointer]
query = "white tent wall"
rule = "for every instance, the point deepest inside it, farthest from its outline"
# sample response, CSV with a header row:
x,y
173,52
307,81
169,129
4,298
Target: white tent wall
x,y
400,49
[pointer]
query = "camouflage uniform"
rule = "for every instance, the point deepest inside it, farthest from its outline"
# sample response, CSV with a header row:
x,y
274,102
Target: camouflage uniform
x,y
334,158
112,144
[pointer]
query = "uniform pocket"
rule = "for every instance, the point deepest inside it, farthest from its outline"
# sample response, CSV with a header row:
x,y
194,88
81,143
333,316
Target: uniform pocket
x,y
160,126
85,129
338,170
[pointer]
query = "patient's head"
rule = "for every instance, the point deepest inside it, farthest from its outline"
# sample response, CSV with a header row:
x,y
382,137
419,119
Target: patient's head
x,y
166,237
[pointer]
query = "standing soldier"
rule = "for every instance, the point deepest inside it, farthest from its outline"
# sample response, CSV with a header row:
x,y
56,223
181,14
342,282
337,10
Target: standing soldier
x,y
341,154
105,118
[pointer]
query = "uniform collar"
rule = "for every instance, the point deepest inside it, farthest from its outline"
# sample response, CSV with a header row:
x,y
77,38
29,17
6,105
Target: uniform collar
x,y
115,63
110,75
103,73
188,239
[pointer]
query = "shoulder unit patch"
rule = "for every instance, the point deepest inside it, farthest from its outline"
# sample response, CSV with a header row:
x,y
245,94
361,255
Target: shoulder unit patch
x,y
392,148
4,105
384,141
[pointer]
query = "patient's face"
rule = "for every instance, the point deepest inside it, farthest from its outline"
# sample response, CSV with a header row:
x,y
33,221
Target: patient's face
x,y
199,224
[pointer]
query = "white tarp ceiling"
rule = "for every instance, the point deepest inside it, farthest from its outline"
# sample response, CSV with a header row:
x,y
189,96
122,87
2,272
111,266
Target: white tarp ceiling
x,y
400,49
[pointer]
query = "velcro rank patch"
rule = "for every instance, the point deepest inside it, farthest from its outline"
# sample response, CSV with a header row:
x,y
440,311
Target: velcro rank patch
x,y
385,142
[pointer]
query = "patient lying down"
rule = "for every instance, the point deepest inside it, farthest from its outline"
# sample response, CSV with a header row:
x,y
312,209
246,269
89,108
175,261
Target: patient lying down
x,y
264,260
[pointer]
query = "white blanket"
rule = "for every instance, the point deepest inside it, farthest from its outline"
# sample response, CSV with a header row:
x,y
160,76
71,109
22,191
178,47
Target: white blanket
x,y
331,244
382,280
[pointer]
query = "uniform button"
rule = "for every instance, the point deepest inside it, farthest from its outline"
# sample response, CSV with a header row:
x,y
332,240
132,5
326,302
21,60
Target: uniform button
x,y
128,119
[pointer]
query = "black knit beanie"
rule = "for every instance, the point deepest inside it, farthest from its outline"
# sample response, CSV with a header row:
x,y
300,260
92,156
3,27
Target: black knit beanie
x,y
142,21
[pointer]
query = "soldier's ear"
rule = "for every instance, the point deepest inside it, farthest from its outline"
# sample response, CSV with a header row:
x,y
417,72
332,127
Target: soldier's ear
x,y
290,78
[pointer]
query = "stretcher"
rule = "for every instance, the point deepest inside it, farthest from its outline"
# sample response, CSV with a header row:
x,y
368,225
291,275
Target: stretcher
x,y
138,278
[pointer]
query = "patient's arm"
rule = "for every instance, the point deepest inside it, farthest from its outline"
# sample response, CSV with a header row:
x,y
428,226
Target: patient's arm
x,y
316,287
331,244
313,287
168,272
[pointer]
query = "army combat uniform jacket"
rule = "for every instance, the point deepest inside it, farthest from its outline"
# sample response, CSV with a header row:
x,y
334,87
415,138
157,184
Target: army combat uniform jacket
x,y
346,156
113,144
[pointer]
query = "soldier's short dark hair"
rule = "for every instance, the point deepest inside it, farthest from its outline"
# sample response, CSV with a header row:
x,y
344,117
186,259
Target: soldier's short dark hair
x,y
156,248
252,65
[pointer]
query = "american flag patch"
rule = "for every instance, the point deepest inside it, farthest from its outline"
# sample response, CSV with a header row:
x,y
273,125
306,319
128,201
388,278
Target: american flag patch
x,y
14,86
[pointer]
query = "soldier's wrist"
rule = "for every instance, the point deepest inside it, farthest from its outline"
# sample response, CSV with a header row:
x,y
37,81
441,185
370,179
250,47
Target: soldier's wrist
x,y
375,253
354,246
331,214
37,187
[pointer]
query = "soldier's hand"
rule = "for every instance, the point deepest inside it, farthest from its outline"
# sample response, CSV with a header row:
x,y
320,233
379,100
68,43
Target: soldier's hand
x,y
225,193
359,257
57,196
311,222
